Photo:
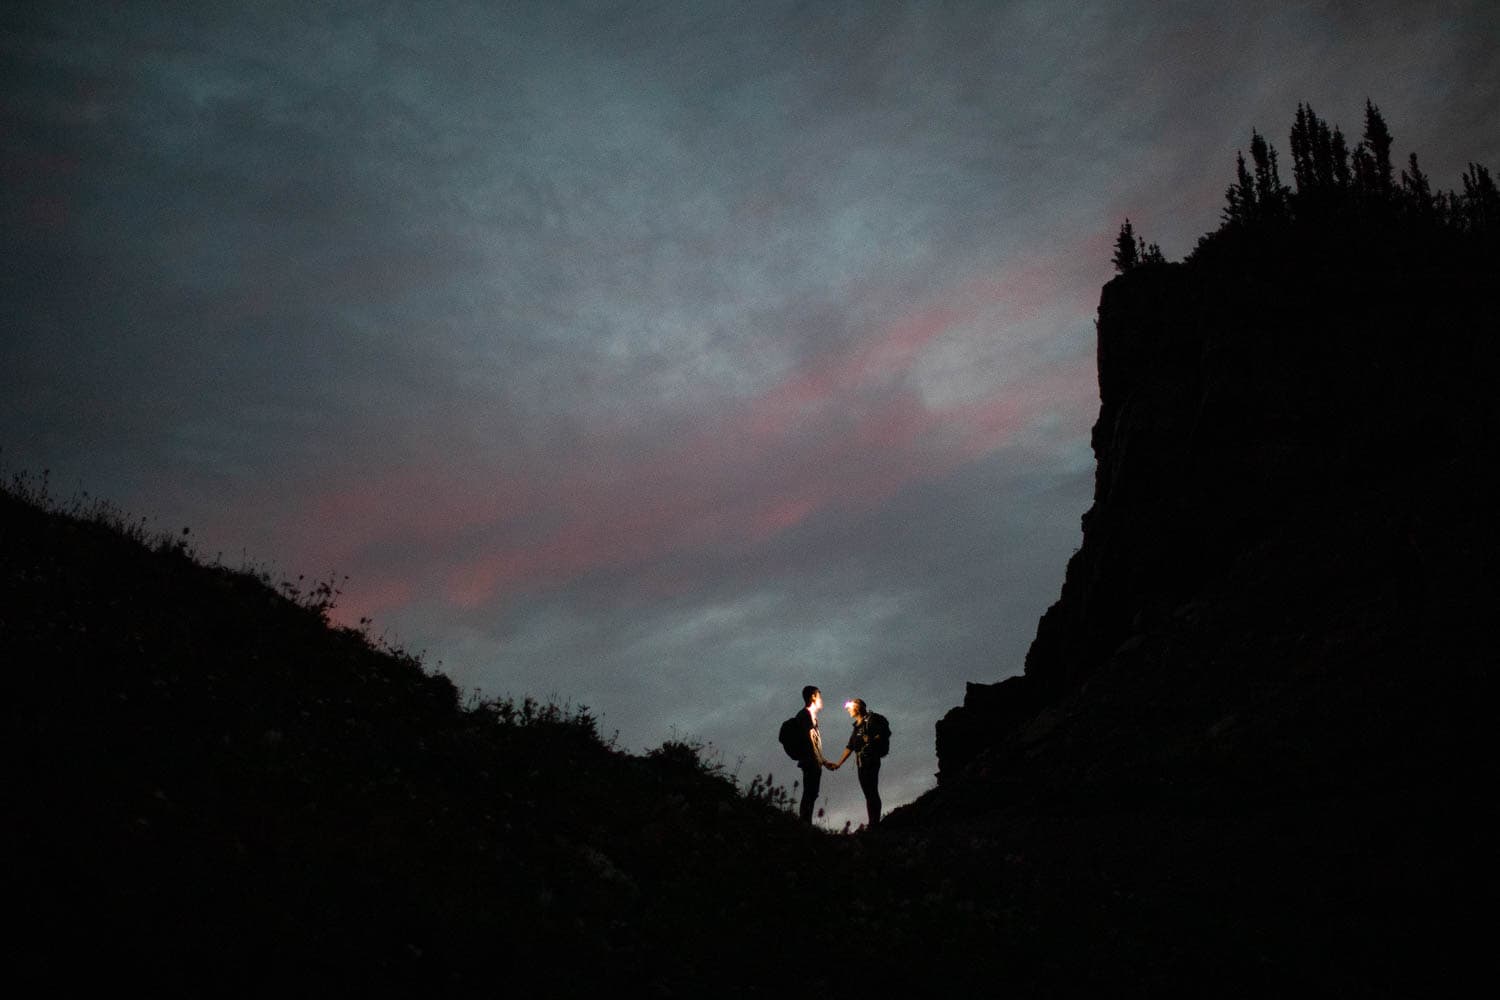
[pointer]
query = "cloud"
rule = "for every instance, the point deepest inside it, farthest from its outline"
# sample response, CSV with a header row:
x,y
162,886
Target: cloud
x,y
845,431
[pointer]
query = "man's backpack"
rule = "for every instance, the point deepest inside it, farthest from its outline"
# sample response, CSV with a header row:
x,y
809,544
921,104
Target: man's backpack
x,y
794,739
878,733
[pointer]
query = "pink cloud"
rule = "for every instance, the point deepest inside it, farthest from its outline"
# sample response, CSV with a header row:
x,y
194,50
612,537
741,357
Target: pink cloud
x,y
843,432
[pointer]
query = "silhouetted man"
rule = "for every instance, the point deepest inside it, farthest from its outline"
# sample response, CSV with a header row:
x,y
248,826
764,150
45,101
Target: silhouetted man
x,y
813,763
868,742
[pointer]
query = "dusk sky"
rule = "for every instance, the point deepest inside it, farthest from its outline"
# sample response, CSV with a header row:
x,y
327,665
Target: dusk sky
x,y
658,357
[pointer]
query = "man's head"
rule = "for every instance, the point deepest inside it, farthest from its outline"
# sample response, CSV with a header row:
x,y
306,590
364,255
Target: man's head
x,y
810,693
856,708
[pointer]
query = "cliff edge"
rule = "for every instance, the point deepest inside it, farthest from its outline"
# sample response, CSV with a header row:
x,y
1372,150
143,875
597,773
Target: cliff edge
x,y
1289,568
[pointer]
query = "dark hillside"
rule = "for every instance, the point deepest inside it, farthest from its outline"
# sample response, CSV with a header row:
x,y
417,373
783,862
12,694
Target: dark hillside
x,y
210,790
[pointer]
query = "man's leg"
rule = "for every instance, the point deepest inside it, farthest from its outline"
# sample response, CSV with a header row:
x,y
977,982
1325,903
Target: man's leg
x,y
869,783
812,778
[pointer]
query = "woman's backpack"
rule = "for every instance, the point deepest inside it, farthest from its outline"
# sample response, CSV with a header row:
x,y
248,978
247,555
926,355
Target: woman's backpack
x,y
878,733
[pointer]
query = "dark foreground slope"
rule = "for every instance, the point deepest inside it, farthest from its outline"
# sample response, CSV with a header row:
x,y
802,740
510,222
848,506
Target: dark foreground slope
x,y
210,791
1266,689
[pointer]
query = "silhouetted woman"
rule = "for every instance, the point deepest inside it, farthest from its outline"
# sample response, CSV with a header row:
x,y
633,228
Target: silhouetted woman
x,y
868,742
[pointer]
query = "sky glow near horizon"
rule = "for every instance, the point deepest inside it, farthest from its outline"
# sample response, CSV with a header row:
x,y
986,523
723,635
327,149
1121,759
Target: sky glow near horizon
x,y
662,358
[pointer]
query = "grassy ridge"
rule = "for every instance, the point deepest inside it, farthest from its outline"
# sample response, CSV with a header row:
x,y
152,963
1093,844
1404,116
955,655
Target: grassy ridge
x,y
213,785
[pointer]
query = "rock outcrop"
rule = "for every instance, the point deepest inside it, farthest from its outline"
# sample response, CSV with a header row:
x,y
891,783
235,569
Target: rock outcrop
x,y
1289,568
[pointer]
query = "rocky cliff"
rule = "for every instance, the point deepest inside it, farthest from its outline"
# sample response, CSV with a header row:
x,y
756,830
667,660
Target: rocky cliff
x,y
1256,725
1288,573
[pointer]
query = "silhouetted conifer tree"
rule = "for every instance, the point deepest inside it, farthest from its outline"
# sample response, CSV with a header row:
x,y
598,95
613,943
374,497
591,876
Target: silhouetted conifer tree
x,y
1330,155
1339,154
1378,141
1302,140
1364,171
1151,254
1416,192
1240,196
1270,195
1319,155
1481,203
1127,253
